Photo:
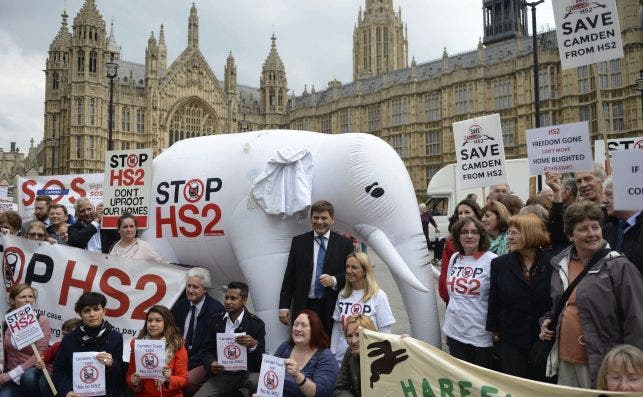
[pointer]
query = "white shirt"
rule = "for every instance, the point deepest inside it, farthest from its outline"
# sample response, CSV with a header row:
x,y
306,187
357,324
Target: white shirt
x,y
94,243
311,291
197,310
231,326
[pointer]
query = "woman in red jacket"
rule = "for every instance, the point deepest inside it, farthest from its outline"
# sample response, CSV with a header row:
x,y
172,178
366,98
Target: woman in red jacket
x,y
159,324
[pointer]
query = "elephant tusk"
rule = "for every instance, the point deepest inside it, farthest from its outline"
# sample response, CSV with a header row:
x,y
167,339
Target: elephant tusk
x,y
376,239
436,272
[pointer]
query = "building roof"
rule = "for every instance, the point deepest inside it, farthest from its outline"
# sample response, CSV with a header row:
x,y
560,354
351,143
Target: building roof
x,y
130,70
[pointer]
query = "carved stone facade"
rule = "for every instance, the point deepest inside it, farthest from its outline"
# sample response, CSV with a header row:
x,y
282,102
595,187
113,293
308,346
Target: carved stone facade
x,y
413,108
15,163
155,104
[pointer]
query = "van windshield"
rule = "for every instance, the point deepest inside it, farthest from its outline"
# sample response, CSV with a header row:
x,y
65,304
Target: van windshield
x,y
437,206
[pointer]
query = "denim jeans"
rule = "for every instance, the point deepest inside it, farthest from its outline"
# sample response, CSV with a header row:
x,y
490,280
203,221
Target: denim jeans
x,y
29,385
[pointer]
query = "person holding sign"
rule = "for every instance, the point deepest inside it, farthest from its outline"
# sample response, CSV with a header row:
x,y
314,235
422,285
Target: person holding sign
x,y
348,380
159,324
311,368
86,232
361,295
21,377
58,228
129,246
94,335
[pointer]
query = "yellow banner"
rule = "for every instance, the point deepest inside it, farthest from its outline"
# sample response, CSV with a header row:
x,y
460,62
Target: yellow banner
x,y
394,366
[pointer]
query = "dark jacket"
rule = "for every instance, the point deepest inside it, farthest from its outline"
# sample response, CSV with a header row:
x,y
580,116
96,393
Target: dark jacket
x,y
632,242
348,380
180,311
609,300
515,306
251,325
63,366
80,233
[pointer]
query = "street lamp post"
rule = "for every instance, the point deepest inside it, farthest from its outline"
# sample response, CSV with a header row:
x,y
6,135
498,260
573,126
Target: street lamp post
x,y
534,48
112,72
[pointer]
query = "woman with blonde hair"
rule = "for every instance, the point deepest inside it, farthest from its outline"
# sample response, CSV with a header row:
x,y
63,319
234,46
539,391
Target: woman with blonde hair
x,y
361,295
348,380
621,369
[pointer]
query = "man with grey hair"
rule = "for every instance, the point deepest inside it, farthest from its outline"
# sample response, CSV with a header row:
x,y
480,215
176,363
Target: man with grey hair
x,y
497,191
192,315
590,183
569,194
623,230
86,232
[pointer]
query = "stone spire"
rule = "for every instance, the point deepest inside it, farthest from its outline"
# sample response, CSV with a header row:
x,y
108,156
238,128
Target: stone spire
x,y
193,28
89,15
273,61
63,38
112,46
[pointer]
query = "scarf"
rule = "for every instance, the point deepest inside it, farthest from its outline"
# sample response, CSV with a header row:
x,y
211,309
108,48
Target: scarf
x,y
499,245
94,337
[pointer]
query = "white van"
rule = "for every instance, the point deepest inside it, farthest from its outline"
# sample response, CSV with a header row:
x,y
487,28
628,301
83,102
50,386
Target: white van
x,y
444,193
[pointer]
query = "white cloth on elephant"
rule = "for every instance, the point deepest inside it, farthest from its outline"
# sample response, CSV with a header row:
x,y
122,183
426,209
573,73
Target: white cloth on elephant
x,y
285,185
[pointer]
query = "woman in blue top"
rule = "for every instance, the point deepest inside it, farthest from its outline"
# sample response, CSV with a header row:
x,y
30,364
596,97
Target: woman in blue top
x,y
311,368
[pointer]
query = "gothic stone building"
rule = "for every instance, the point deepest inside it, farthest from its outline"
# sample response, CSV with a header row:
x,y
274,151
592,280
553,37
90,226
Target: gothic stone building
x,y
411,107
155,104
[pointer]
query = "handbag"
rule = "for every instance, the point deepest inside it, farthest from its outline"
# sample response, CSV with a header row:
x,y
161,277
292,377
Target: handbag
x,y
540,350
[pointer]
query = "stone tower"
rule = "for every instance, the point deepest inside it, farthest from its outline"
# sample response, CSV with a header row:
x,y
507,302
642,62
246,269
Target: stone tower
x,y
230,88
503,19
379,40
274,88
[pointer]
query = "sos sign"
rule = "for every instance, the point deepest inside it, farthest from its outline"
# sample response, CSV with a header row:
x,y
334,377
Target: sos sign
x,y
63,189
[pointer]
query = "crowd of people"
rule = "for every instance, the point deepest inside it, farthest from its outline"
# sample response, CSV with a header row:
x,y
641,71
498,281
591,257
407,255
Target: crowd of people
x,y
564,267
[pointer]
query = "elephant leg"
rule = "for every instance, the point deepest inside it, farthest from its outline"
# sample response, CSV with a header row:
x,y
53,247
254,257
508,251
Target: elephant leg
x,y
261,244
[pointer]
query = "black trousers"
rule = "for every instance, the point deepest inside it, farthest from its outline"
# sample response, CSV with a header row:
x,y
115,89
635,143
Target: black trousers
x,y
515,361
481,356
319,307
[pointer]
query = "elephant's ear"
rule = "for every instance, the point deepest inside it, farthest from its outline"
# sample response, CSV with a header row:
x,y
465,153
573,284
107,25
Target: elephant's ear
x,y
285,185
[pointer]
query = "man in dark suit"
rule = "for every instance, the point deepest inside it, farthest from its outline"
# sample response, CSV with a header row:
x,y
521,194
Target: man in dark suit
x,y
86,233
235,319
316,268
194,312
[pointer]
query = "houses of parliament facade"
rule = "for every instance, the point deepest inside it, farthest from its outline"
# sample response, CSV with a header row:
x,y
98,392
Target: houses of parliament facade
x,y
410,105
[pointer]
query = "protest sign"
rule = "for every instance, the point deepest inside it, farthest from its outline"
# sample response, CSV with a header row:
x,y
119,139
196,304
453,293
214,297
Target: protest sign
x,y
394,366
4,192
628,179
88,375
150,358
230,354
24,327
635,143
6,205
560,148
63,189
62,273
128,181
587,32
271,377
480,152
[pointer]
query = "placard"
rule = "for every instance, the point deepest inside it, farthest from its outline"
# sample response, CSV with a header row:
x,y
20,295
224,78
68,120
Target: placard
x,y
88,374
128,181
271,377
4,192
231,355
587,32
480,152
560,148
150,358
628,179
24,327
635,143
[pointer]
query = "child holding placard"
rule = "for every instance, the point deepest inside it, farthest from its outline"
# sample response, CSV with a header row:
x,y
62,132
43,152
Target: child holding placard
x,y
159,325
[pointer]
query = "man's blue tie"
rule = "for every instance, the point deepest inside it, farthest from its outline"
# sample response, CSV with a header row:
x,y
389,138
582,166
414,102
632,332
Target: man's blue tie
x,y
620,237
319,268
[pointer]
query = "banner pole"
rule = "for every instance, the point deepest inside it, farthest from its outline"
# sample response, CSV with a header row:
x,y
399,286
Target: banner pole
x,y
44,370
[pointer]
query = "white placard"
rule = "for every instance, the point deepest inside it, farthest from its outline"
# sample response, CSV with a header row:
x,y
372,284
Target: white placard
x,y
4,192
480,152
635,143
231,355
150,358
63,189
128,182
24,327
88,374
560,148
271,377
587,32
628,179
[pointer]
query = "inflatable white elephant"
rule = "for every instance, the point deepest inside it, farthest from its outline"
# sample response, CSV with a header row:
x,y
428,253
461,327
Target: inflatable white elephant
x,y
232,203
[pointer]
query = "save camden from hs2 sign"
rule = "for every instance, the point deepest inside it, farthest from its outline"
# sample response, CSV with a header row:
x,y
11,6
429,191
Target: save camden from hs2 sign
x,y
587,32
480,152
128,180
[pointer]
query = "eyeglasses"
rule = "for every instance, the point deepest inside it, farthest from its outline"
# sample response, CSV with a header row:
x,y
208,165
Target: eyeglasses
x,y
617,379
469,233
36,235
513,232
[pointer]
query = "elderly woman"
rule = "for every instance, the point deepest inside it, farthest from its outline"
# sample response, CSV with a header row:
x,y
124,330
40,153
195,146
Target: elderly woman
x,y
465,208
311,369
603,310
348,381
468,278
622,370
129,246
494,218
520,294
361,295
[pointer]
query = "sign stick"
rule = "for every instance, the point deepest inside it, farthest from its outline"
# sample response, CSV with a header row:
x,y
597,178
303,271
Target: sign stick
x,y
44,370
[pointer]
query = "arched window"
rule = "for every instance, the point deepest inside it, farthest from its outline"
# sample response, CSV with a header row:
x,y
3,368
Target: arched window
x,y
81,61
92,61
55,81
191,120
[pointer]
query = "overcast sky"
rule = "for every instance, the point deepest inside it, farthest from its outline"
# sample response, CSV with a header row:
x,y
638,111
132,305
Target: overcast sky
x,y
314,40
